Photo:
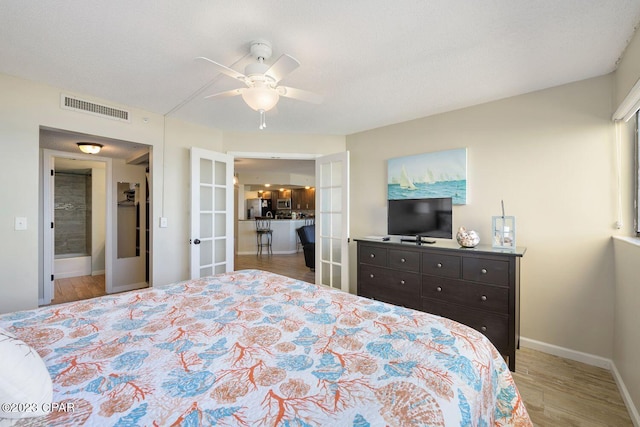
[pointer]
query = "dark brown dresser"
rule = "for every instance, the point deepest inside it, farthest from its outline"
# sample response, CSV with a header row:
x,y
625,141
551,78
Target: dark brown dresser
x,y
479,286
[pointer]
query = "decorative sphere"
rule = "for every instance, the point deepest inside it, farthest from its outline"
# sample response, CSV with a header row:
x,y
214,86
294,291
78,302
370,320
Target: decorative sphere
x,y
467,238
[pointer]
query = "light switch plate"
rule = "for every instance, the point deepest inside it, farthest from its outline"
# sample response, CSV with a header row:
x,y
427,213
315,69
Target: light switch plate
x,y
163,222
21,223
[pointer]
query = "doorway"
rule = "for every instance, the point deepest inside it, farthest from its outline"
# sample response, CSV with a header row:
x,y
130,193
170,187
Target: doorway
x,y
79,206
95,211
274,178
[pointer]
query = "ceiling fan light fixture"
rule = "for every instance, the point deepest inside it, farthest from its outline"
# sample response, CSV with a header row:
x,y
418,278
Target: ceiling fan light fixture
x,y
260,98
90,147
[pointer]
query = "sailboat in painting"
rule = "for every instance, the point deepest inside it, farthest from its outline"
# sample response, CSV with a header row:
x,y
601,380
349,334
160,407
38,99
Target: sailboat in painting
x,y
405,181
429,175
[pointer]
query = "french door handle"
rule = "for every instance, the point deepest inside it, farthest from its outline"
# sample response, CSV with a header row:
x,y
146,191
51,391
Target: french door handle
x,y
196,242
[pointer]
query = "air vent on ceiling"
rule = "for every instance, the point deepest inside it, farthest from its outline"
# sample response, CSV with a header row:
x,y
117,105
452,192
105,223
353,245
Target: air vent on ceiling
x,y
71,103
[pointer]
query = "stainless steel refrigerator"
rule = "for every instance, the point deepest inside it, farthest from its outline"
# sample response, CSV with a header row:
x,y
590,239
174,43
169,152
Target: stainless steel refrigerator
x,y
258,207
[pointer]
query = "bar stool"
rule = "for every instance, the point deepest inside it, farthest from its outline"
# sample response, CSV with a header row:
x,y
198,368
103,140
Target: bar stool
x,y
263,230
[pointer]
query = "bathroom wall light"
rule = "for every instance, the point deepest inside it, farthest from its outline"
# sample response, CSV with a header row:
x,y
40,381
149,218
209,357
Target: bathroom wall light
x,y
90,147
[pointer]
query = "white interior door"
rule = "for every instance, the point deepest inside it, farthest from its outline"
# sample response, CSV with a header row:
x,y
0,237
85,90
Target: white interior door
x,y
211,213
332,220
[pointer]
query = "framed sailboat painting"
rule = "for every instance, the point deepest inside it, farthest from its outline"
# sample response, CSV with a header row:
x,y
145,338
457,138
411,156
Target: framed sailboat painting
x,y
437,174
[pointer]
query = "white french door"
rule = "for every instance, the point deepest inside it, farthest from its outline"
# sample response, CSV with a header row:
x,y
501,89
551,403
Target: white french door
x,y
332,220
211,213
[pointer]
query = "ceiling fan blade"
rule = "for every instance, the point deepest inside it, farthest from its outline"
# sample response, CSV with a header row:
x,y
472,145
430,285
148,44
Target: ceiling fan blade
x,y
302,95
225,70
283,66
226,94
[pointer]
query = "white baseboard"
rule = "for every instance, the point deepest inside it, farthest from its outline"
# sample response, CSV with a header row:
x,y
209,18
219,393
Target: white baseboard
x,y
567,353
129,287
633,411
97,272
589,359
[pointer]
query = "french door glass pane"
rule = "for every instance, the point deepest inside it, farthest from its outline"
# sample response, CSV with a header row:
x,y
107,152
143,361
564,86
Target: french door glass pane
x,y
206,225
220,224
206,252
206,198
221,199
206,171
221,173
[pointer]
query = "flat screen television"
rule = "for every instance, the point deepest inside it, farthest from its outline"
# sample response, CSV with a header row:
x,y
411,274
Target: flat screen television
x,y
421,217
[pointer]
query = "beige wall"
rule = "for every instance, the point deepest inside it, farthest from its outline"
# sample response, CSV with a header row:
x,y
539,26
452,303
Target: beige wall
x,y
627,302
628,70
626,340
550,156
283,143
25,106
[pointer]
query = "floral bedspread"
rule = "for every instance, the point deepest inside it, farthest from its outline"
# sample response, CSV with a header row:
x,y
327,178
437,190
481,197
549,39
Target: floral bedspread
x,y
251,348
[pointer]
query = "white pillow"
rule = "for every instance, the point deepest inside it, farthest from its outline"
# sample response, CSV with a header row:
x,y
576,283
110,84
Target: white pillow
x,y
25,385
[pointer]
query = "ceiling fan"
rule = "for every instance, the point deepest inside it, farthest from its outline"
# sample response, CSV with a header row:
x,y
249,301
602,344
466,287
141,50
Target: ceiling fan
x,y
263,91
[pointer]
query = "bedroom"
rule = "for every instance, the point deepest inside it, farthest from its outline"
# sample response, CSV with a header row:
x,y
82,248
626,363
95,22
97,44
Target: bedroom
x,y
549,154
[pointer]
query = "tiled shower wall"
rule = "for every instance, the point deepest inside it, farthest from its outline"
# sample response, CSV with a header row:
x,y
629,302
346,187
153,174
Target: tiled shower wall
x,y
72,213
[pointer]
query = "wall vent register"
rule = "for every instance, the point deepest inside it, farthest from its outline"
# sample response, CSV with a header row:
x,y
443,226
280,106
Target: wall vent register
x,y
72,103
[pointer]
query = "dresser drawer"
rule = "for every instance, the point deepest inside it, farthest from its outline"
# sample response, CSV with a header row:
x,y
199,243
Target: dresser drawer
x,y
373,255
404,260
473,295
493,326
486,270
437,264
392,286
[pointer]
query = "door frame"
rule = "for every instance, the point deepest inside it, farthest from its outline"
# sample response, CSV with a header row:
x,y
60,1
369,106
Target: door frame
x,y
266,156
308,156
48,258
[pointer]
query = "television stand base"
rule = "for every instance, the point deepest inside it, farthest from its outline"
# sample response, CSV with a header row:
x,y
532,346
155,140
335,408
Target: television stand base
x,y
418,242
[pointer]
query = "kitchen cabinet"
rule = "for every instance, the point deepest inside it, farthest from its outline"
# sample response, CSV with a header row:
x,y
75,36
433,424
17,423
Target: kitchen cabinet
x,y
303,199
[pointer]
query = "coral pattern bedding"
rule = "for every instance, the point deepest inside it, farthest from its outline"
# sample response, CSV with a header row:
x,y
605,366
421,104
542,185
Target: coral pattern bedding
x,y
252,348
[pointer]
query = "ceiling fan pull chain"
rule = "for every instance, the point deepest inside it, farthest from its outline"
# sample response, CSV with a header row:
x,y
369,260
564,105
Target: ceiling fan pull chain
x,y
263,122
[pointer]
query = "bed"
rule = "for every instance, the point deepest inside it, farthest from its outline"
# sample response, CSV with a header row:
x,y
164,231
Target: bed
x,y
254,348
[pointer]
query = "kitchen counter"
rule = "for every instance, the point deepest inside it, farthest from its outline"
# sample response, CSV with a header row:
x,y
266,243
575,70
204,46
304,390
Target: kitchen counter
x,y
285,239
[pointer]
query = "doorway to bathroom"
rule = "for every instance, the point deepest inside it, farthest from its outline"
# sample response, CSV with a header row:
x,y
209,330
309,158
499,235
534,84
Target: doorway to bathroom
x,y
96,235
79,206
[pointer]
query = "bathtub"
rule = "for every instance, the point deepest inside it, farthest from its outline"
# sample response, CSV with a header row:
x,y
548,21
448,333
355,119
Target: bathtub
x,y
71,265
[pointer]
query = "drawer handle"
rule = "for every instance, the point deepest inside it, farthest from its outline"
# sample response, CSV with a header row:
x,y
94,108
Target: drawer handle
x,y
439,265
371,275
483,271
484,329
402,282
372,255
403,260
439,289
483,297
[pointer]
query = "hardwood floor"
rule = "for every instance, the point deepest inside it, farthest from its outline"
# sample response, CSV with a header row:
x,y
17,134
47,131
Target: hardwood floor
x,y
77,288
556,391
287,265
562,392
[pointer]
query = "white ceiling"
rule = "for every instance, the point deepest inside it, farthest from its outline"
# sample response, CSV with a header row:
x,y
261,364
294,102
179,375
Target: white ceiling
x,y
375,62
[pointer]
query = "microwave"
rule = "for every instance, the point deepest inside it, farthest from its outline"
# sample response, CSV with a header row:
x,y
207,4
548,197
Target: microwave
x,y
283,204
